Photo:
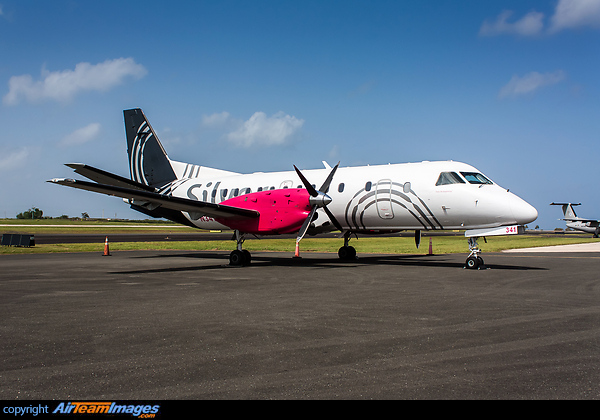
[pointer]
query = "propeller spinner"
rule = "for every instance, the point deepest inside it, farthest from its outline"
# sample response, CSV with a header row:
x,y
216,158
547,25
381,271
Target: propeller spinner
x,y
318,199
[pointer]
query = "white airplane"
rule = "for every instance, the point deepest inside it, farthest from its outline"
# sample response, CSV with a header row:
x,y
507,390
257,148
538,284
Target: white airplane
x,y
363,200
578,223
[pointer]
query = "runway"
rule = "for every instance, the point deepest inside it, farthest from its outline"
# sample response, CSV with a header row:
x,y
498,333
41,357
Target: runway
x,y
184,325
589,247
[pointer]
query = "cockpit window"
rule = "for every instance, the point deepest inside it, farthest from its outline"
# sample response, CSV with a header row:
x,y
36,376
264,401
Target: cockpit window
x,y
476,178
446,178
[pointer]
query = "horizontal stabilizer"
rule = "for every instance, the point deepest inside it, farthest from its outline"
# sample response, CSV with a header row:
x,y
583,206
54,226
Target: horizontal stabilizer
x,y
107,178
174,203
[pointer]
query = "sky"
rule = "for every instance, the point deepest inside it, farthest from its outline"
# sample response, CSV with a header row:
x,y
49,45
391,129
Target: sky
x,y
510,87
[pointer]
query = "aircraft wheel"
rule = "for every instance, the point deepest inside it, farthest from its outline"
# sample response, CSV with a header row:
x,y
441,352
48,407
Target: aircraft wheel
x,y
247,257
237,258
472,263
347,253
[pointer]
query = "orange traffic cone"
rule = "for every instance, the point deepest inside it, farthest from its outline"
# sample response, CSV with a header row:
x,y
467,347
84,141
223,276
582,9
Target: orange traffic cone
x,y
106,251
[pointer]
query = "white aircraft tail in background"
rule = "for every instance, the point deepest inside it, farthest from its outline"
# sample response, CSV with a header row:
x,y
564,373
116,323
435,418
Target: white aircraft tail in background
x,y
578,223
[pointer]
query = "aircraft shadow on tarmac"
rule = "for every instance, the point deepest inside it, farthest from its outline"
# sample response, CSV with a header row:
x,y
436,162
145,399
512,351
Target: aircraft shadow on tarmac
x,y
308,261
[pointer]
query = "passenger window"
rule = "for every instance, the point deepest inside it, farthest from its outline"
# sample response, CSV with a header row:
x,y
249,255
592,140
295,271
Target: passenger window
x,y
476,178
368,186
447,178
341,187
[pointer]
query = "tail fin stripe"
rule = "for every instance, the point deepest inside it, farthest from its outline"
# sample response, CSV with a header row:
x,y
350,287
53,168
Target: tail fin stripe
x,y
148,161
139,144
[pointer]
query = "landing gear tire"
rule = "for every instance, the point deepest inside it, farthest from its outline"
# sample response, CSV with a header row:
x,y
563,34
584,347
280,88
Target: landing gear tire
x,y
347,253
472,263
238,258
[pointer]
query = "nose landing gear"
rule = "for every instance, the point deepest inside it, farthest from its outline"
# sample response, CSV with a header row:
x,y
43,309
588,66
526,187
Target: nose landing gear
x,y
474,260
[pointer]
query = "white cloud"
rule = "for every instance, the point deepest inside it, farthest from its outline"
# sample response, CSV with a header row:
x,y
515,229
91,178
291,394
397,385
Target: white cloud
x,y
530,24
575,13
81,136
261,130
530,83
568,14
63,85
215,119
13,159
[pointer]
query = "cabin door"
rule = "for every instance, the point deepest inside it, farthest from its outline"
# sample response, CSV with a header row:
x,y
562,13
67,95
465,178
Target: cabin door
x,y
383,195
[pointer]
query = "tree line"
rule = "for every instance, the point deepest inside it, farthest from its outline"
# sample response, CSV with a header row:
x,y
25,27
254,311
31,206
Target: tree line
x,y
36,213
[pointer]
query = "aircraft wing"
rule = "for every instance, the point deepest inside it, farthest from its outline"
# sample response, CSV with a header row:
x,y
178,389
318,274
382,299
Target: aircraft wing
x,y
103,177
174,203
593,222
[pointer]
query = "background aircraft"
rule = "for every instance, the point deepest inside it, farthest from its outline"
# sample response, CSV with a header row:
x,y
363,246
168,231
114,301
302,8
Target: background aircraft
x,y
578,223
362,200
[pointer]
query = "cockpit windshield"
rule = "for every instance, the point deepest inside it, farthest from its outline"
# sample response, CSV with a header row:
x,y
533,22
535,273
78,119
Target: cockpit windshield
x,y
476,178
447,178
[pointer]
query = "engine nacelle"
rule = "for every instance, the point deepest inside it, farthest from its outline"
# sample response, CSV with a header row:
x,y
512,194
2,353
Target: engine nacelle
x,y
281,211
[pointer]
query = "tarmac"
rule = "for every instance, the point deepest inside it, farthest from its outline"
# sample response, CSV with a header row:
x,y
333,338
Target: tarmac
x,y
158,325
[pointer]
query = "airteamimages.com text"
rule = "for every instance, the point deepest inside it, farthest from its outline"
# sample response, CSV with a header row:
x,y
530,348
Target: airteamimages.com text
x,y
147,411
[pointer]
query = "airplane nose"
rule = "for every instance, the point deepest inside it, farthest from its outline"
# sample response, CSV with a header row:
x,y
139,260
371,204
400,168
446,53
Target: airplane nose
x,y
523,212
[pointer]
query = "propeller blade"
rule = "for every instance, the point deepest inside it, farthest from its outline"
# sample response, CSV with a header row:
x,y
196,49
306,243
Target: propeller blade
x,y
319,199
303,230
311,190
325,187
333,219
306,224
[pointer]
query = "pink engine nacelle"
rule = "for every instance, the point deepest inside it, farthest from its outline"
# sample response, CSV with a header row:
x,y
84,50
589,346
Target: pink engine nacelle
x,y
281,211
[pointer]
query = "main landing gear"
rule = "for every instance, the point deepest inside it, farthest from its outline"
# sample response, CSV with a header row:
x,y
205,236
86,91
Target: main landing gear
x,y
347,253
474,260
239,256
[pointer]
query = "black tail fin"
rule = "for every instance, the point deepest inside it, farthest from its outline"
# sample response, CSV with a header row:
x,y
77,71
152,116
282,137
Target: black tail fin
x,y
148,161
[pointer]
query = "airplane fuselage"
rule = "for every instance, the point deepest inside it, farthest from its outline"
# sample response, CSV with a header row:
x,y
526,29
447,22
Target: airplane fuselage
x,y
582,226
365,199
409,196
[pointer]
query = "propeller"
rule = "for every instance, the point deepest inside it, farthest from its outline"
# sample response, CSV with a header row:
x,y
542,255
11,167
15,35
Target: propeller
x,y
318,199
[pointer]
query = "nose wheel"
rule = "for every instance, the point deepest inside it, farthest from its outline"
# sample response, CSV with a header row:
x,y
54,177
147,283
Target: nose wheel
x,y
474,260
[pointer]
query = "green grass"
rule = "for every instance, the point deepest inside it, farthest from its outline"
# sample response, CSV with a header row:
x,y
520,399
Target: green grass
x,y
87,221
365,245
90,226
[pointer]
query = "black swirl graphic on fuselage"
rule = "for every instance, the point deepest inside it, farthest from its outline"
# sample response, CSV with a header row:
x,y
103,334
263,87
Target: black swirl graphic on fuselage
x,y
401,197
